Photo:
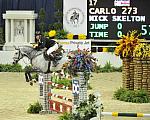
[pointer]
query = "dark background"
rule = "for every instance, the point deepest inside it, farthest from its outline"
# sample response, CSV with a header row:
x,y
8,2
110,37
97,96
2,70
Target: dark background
x,y
35,5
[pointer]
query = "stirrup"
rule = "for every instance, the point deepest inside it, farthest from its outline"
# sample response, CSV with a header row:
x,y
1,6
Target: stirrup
x,y
55,63
51,56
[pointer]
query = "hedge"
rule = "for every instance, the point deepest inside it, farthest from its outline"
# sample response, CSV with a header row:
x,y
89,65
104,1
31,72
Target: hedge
x,y
10,68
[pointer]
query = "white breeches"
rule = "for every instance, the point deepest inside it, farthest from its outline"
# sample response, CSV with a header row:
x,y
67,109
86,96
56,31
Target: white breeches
x,y
51,49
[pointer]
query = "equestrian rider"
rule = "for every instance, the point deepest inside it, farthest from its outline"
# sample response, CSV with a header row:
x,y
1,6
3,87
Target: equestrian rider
x,y
49,43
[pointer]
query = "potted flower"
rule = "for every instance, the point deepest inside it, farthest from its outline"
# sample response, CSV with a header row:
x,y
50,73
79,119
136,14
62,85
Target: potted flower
x,y
125,48
80,61
79,66
141,55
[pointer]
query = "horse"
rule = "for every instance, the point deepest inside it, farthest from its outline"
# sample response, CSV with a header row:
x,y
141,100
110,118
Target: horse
x,y
37,60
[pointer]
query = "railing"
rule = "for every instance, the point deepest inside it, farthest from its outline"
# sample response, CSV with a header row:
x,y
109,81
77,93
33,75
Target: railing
x,y
99,44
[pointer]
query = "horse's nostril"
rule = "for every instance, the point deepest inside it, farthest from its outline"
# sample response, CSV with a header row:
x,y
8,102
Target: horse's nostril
x,y
14,62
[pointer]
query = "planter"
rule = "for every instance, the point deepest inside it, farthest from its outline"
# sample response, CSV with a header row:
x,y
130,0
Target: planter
x,y
142,74
128,73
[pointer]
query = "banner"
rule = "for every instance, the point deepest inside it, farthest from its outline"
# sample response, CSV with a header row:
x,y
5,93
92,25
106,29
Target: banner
x,y
75,16
71,45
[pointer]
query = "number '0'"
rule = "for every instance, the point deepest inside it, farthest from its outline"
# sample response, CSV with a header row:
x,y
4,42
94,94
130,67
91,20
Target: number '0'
x,y
119,26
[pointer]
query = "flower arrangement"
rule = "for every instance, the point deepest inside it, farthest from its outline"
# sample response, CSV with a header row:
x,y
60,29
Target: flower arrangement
x,y
59,34
52,33
127,44
72,36
142,50
81,36
105,49
80,61
62,34
69,36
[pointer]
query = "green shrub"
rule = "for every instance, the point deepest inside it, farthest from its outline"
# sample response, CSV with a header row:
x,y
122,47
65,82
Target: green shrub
x,y
64,81
117,69
35,76
119,92
141,96
66,116
127,96
136,96
98,69
85,111
10,68
107,68
61,34
34,108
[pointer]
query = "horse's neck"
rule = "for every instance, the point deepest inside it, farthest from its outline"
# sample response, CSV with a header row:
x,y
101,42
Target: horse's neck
x,y
29,52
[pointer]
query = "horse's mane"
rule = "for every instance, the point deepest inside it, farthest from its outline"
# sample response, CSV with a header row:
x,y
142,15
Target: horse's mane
x,y
29,51
26,46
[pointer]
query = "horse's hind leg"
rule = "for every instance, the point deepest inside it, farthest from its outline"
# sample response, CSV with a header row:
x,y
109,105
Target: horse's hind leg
x,y
36,78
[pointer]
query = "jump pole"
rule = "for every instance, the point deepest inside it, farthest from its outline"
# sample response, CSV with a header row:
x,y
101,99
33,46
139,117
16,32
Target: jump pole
x,y
122,114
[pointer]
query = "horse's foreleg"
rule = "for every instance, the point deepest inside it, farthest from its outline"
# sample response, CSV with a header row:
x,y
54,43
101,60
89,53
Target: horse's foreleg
x,y
26,77
30,77
31,82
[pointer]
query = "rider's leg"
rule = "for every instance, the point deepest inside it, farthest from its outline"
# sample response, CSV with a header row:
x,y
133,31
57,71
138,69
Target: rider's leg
x,y
51,49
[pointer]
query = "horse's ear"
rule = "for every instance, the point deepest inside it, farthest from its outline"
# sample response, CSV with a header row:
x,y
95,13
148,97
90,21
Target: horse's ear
x,y
15,47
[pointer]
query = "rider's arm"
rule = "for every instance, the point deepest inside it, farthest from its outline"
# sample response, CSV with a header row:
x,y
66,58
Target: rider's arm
x,y
41,44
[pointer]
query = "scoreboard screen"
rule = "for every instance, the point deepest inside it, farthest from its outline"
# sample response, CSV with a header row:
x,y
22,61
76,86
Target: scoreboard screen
x,y
109,19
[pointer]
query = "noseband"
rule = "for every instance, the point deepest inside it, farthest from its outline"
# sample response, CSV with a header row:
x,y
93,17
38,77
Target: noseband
x,y
18,58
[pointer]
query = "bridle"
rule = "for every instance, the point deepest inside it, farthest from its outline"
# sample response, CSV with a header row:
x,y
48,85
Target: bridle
x,y
20,56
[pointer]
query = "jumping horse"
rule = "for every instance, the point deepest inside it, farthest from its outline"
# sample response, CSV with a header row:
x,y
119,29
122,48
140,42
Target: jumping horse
x,y
38,61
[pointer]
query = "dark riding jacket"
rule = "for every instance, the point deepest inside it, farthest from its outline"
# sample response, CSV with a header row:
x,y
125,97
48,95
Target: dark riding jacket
x,y
46,43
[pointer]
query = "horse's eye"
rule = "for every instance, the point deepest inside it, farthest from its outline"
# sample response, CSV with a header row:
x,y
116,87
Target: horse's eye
x,y
16,53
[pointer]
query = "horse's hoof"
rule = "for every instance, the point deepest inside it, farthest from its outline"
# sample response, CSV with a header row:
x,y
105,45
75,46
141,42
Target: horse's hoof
x,y
31,83
34,81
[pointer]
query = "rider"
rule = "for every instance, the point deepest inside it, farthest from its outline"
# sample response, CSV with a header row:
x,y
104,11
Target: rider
x,y
49,43
38,40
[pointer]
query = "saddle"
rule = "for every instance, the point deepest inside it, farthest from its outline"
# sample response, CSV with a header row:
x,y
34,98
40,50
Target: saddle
x,y
56,55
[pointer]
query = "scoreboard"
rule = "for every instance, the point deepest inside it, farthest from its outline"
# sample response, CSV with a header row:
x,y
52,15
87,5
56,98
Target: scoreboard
x,y
109,19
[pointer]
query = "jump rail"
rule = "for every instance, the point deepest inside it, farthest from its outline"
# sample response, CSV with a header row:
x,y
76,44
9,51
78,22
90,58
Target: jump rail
x,y
120,114
59,86
60,97
59,107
